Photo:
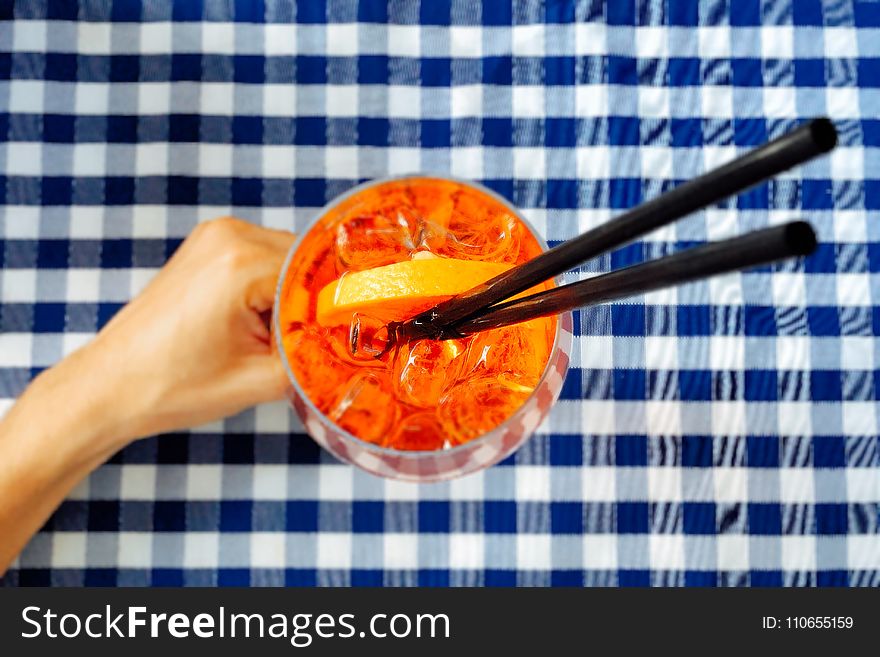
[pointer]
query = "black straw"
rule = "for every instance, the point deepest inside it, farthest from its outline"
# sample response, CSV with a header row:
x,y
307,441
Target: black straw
x,y
751,250
802,144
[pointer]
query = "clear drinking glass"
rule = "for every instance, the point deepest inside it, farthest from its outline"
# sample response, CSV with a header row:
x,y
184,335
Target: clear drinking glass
x,y
434,465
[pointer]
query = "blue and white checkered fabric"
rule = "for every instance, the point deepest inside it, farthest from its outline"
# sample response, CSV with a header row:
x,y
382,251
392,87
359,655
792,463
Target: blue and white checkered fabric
x,y
724,433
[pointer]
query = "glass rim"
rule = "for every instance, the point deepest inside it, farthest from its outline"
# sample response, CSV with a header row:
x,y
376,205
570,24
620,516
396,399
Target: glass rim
x,y
291,377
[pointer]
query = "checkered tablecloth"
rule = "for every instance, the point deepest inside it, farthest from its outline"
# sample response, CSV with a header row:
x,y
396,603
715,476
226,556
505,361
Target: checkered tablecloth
x,y
724,433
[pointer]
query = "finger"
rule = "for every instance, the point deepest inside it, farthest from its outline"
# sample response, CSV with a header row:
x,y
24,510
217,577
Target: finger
x,y
273,239
261,292
280,240
261,379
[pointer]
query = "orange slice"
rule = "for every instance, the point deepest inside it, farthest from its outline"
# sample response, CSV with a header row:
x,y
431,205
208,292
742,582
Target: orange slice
x,y
398,291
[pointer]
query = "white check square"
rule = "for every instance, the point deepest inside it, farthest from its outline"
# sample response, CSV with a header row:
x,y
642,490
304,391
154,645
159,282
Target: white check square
x,y
404,40
137,482
279,161
466,100
593,162
664,484
847,163
91,159
29,36
466,551
663,418
591,100
714,41
68,550
200,549
215,160
156,37
598,417
859,418
155,98
268,550
780,102
656,162
729,418
342,39
796,485
666,551
83,284
135,550
270,481
19,285
336,482
465,41
726,352
533,483
651,42
798,552
600,551
794,418
217,98
16,349
661,352
528,40
777,41
857,353
203,481
529,164
342,100
334,550
341,162
717,103
279,100
218,37
840,42
404,102
279,39
598,484
853,289
401,551
733,552
789,289
731,484
22,222
862,550
843,102
406,160
466,162
533,552
589,38
528,101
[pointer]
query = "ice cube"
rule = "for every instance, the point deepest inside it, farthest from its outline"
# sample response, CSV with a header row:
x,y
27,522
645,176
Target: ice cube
x,y
423,369
518,352
367,407
477,405
319,373
364,341
475,232
420,431
373,239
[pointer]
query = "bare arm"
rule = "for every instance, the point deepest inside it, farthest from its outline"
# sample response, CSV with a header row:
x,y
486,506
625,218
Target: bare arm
x,y
191,348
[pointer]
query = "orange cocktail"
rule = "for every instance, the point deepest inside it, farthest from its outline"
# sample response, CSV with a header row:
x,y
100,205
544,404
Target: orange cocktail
x,y
385,253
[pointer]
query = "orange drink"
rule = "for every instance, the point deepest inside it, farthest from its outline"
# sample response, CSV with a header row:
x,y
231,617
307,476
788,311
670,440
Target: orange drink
x,y
384,253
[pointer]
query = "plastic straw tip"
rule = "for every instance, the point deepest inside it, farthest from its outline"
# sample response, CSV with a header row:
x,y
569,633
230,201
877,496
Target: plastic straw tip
x,y
801,238
824,134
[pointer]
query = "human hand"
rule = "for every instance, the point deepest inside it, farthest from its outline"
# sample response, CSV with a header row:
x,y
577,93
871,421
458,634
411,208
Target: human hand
x,y
194,345
191,348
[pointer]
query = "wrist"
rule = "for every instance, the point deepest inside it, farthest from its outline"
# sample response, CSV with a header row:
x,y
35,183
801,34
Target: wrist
x,y
78,406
